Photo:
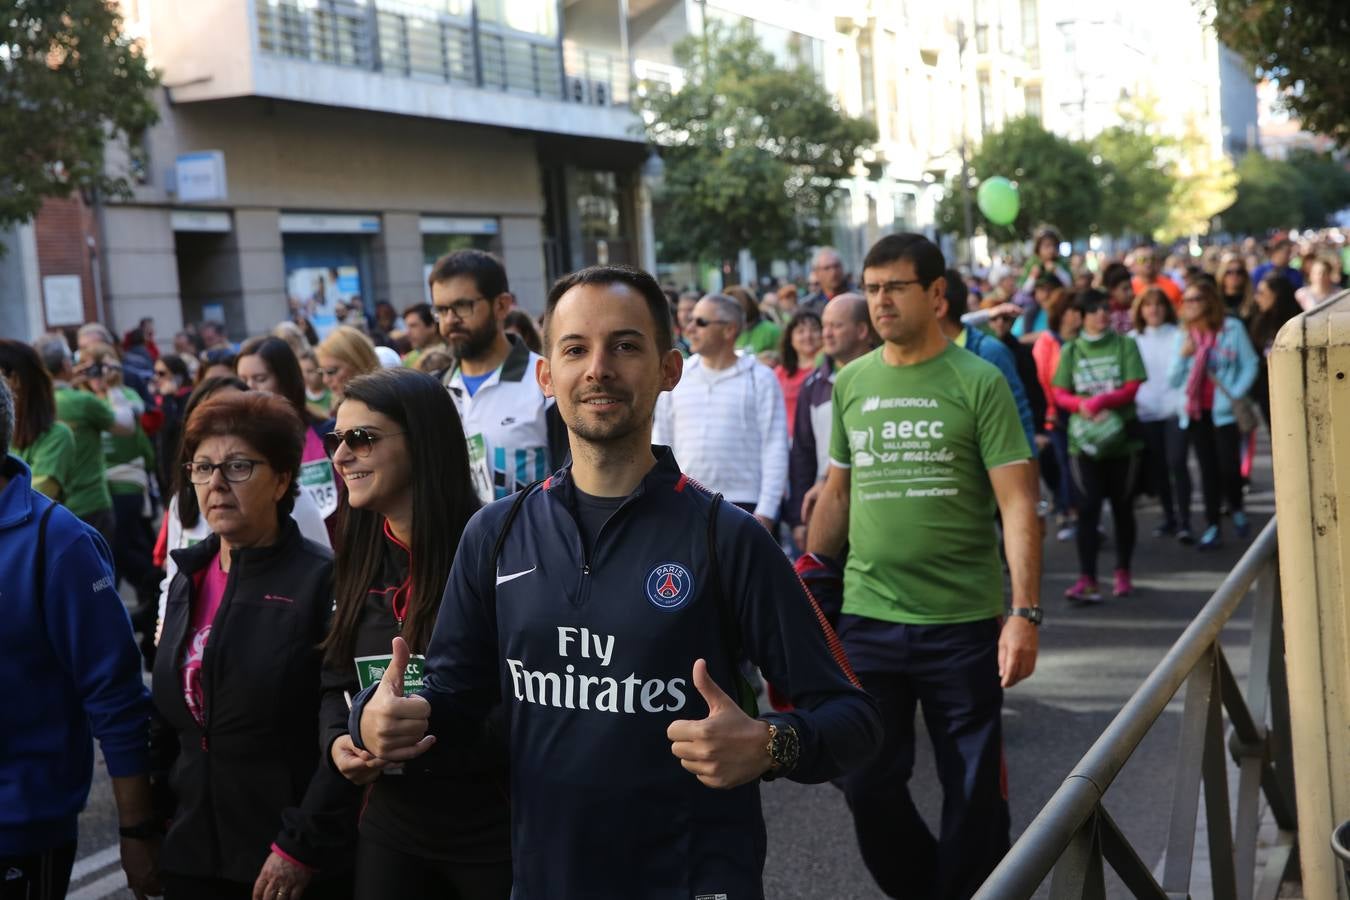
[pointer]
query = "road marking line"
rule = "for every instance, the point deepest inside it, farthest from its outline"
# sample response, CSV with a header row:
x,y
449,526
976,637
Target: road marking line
x,y
97,890
95,861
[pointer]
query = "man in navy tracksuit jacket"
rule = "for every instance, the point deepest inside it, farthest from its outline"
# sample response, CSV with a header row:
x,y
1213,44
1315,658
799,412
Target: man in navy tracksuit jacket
x,y
588,626
73,672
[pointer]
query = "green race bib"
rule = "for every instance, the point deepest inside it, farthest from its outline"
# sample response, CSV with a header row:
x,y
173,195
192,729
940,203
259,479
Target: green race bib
x,y
370,669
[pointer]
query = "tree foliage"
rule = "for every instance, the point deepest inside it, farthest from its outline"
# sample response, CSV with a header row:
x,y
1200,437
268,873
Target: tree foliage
x,y
1138,172
1300,44
70,81
1056,180
1301,192
1204,186
753,151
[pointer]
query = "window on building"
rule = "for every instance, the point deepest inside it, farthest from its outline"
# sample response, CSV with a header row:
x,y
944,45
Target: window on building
x,y
867,74
1032,95
528,16
986,103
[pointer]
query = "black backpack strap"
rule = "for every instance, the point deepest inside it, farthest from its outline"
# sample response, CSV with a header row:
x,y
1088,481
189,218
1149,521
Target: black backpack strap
x,y
516,504
41,558
730,630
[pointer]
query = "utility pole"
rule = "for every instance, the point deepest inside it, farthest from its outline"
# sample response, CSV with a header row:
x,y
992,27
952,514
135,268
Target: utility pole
x,y
966,212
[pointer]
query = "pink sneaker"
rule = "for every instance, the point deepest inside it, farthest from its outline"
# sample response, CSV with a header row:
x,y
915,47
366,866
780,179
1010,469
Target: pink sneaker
x,y
1123,586
1084,590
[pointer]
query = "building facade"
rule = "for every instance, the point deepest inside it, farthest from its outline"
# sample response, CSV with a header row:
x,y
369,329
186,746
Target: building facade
x,y
316,152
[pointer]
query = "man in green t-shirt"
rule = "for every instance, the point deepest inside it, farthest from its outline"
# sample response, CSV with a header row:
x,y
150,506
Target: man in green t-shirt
x,y
88,416
925,446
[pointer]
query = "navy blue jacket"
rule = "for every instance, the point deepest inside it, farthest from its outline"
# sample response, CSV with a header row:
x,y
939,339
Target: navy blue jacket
x,y
70,662
593,656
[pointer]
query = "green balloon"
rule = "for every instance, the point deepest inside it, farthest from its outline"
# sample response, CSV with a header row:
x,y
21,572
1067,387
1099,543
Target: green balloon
x,y
998,200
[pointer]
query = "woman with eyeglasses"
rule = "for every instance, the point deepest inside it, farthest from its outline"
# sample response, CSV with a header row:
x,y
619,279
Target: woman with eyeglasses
x,y
184,524
400,448
1214,365
268,364
343,355
40,440
236,681
1165,472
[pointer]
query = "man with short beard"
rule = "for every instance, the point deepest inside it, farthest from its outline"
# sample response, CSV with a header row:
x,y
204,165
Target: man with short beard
x,y
514,438
607,610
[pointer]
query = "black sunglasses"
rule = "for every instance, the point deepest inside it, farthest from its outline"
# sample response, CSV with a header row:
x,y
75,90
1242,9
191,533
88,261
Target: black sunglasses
x,y
704,323
358,440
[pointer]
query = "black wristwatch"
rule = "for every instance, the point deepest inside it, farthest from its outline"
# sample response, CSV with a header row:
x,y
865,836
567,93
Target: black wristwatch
x,y
1031,613
783,750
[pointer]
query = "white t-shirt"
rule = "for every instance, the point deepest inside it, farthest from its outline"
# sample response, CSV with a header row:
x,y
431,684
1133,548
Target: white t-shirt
x,y
306,514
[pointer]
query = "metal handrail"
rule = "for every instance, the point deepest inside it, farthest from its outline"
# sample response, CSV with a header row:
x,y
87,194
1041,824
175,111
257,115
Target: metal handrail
x,y
1075,808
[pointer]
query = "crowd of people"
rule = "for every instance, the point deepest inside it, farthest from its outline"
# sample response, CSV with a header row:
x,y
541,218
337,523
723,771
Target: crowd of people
x,y
376,571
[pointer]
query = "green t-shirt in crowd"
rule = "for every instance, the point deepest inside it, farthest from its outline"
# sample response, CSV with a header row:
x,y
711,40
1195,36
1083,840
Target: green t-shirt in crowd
x,y
1090,367
919,441
130,455
88,417
764,335
50,457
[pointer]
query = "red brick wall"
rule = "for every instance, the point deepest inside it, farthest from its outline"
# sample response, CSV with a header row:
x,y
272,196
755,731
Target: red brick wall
x,y
63,228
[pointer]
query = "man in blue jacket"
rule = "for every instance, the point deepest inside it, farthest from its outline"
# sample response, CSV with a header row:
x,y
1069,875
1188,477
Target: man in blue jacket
x,y
610,617
68,654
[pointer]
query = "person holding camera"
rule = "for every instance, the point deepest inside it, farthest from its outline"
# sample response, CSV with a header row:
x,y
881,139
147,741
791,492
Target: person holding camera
x,y
85,404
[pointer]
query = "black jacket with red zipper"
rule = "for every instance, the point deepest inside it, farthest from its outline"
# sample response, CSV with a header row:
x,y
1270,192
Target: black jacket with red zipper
x,y
239,779
461,811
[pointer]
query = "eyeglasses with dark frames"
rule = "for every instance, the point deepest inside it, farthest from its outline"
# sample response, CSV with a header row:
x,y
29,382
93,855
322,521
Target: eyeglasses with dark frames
x,y
236,469
704,323
358,440
889,287
461,309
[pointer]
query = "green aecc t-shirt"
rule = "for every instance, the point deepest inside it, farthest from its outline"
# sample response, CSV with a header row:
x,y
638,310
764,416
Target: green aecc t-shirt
x,y
1089,367
919,441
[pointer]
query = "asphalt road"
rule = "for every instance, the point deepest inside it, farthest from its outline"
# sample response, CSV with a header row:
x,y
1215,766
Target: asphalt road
x,y
1091,660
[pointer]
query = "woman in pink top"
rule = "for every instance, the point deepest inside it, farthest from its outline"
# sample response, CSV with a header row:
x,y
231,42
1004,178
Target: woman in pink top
x,y
800,345
236,680
1064,324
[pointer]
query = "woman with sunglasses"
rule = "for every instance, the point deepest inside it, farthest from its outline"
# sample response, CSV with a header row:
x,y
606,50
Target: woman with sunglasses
x,y
1214,364
400,448
269,364
236,681
1235,284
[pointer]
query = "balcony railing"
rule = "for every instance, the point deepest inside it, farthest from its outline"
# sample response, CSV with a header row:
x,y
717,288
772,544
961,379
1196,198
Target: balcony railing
x,y
410,41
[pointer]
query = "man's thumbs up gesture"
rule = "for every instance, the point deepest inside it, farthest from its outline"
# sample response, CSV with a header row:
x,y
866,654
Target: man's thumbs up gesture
x,y
728,748
394,727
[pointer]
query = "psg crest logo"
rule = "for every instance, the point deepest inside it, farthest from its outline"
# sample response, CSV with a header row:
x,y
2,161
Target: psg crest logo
x,y
669,586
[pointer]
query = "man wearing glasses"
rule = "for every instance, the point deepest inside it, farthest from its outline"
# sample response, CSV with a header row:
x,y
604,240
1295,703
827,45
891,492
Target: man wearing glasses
x,y
515,437
726,420
925,445
827,269
1148,273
